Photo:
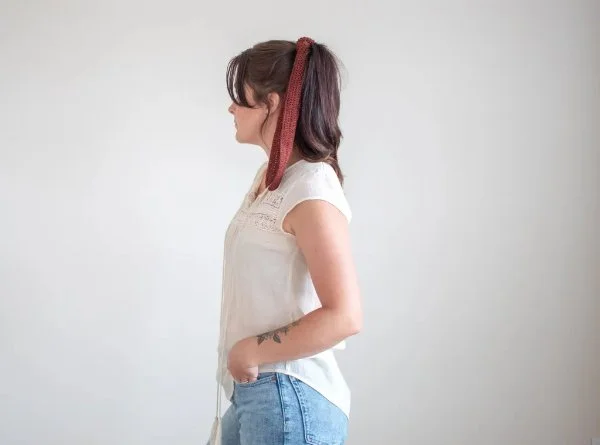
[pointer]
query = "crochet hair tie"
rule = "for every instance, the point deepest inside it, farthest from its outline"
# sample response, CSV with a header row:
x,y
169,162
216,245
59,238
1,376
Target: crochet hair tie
x,y
285,131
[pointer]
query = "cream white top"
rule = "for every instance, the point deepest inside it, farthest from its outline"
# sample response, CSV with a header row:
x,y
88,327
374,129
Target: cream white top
x,y
266,283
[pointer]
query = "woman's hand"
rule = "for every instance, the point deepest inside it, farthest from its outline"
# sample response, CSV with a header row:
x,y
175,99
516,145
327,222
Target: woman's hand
x,y
242,362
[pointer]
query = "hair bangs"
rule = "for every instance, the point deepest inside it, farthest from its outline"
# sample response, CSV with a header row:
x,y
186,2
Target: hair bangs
x,y
236,78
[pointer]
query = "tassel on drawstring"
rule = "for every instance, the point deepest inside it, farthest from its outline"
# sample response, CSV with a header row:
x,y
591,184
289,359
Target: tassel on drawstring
x,y
215,434
216,430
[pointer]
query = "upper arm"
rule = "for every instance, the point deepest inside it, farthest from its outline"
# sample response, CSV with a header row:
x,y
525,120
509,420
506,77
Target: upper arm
x,y
321,231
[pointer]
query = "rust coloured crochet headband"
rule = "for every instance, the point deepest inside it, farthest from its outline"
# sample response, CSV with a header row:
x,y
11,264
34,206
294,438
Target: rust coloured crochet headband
x,y
285,131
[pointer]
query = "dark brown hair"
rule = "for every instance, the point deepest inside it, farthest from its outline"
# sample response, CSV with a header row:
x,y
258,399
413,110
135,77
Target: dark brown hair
x,y
266,68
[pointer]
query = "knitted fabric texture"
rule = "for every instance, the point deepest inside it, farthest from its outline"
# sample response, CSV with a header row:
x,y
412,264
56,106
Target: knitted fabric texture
x,y
285,131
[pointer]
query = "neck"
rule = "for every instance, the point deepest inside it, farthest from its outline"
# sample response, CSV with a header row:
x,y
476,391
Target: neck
x,y
295,157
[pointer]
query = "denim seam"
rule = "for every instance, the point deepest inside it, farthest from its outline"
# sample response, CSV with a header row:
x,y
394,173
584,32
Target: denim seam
x,y
278,378
310,438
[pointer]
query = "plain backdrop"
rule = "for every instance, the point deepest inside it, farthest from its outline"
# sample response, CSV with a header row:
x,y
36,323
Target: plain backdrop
x,y
472,161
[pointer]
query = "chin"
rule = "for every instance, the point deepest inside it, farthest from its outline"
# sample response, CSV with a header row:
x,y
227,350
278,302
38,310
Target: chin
x,y
243,140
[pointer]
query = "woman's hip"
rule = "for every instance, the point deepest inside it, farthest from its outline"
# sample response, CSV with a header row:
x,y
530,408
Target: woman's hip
x,y
280,409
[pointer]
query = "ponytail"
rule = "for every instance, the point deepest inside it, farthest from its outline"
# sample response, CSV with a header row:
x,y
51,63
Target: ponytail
x,y
319,135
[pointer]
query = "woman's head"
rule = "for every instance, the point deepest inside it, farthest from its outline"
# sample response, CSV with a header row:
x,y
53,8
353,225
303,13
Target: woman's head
x,y
265,98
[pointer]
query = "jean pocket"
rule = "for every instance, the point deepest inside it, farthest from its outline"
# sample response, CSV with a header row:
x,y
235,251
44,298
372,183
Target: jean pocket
x,y
264,377
324,422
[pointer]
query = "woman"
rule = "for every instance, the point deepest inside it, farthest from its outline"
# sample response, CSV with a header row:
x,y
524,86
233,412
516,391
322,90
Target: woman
x,y
290,293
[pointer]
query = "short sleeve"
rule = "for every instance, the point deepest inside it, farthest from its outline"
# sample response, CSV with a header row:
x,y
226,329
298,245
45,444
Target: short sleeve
x,y
319,182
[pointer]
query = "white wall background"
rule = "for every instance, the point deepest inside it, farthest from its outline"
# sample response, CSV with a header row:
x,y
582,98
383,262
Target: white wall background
x,y
472,154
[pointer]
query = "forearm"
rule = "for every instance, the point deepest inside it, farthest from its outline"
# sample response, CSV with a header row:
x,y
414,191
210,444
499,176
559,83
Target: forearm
x,y
314,333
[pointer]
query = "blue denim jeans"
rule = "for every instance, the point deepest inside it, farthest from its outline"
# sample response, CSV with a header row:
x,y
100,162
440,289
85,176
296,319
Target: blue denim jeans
x,y
278,409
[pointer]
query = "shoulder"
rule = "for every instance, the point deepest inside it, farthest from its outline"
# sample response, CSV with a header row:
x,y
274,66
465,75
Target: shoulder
x,y
307,169
315,175
313,181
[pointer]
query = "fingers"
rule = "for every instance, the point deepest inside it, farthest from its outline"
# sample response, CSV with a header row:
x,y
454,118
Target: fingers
x,y
244,375
247,378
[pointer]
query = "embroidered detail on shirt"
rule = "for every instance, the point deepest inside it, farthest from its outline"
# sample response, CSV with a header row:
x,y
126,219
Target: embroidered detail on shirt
x,y
263,221
260,220
274,199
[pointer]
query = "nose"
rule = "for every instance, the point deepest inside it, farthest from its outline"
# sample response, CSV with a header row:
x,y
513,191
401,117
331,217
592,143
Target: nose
x,y
231,108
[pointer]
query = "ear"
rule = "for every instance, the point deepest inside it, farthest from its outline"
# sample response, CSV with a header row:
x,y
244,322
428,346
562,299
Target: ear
x,y
274,101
